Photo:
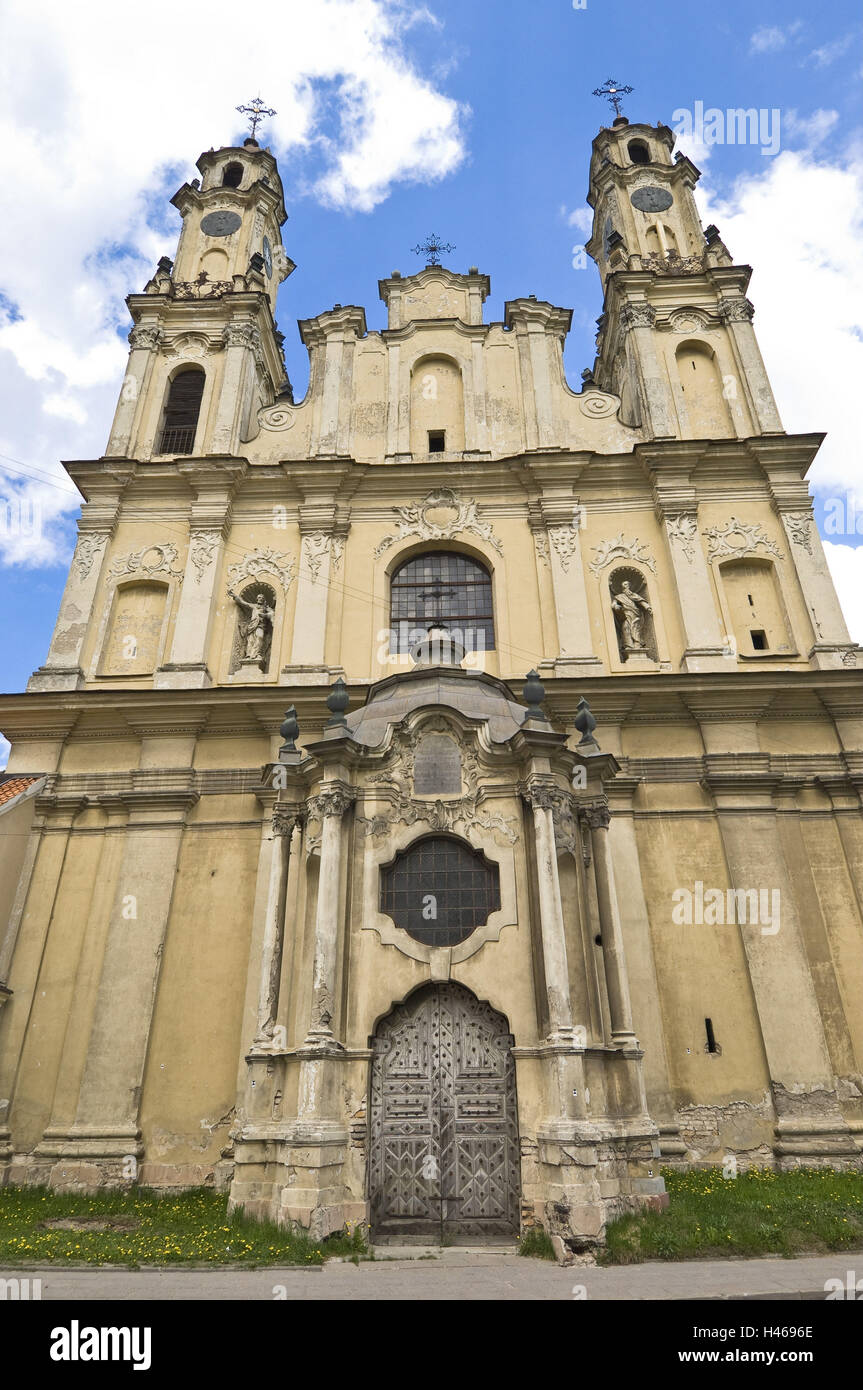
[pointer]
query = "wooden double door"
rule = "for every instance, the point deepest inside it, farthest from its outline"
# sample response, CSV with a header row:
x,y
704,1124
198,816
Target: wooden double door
x,y
444,1154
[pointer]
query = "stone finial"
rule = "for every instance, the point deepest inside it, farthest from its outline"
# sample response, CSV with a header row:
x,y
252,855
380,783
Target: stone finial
x,y
585,724
337,702
289,728
439,647
533,692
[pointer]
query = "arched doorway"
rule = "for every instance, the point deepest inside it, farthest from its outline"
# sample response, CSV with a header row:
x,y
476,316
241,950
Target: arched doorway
x,y
443,1156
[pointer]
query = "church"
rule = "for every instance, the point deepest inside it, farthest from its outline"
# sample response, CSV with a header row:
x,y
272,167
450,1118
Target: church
x,y
439,808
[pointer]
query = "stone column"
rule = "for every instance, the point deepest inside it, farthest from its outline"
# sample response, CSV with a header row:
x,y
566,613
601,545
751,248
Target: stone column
x,y
331,804
285,830
736,313
542,800
106,1122
62,669
638,322
215,483
810,1126
676,505
144,341
562,515
241,342
613,954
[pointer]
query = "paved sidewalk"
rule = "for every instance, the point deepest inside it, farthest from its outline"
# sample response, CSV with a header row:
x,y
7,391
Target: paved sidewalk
x,y
457,1275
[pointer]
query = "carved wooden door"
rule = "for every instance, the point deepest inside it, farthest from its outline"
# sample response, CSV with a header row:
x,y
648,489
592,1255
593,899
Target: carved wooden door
x,y
443,1157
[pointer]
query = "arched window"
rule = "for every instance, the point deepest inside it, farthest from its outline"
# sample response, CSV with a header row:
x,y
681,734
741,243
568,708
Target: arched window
x,y
439,890
754,599
707,412
182,409
638,152
442,587
232,176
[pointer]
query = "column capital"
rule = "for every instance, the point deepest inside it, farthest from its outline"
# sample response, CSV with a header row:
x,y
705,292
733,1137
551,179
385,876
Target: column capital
x,y
286,818
596,813
334,799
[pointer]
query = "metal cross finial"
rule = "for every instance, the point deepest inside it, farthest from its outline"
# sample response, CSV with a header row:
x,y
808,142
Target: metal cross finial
x,y
432,247
256,111
614,91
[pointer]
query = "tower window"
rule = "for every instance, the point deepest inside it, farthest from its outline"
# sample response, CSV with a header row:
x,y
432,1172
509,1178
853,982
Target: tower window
x,y
232,176
445,588
182,409
638,152
711,1036
437,441
759,639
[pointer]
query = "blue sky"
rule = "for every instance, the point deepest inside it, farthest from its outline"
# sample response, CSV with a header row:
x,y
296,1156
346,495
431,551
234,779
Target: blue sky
x,y
473,120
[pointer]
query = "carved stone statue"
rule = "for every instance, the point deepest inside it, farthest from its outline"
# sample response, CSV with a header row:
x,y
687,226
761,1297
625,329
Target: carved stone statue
x,y
629,609
257,629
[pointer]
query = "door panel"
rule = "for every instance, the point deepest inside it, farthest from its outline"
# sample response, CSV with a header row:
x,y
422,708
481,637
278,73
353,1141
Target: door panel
x,y
443,1155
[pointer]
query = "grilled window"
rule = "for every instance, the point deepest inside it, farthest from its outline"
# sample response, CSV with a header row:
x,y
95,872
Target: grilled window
x,y
445,588
440,890
181,412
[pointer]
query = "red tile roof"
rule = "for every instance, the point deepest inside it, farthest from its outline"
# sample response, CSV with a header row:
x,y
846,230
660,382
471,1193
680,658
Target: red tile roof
x,y
13,786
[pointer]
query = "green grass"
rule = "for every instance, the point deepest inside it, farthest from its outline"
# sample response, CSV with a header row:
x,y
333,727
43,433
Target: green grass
x,y
152,1228
810,1211
536,1243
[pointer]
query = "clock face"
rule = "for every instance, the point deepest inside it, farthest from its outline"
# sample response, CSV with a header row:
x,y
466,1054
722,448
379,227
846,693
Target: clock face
x,y
651,199
268,256
220,223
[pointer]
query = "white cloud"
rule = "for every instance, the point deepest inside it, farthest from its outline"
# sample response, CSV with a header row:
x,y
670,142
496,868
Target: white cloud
x,y
845,563
582,218
101,119
5,749
809,130
767,39
828,53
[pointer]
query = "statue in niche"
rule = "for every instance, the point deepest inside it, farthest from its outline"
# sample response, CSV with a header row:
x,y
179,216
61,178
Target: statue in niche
x,y
257,630
631,611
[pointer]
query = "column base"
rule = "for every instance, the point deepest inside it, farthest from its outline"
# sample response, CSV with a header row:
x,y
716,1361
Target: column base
x,y
183,675
565,665
56,678
699,659
840,656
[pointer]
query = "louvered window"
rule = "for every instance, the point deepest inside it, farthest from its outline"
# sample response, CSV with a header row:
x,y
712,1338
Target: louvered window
x,y
181,412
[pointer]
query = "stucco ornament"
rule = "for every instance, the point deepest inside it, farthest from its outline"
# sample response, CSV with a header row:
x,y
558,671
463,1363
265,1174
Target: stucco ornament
x,y
687,321
737,538
317,544
454,515
158,558
564,539
203,545
440,813
683,529
798,524
620,549
87,549
276,417
263,561
597,406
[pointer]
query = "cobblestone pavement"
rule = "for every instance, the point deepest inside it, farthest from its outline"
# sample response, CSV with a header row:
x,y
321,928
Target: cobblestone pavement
x,y
459,1274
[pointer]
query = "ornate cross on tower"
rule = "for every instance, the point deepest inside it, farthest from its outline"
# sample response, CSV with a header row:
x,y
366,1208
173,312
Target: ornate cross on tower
x,y
614,91
432,247
256,111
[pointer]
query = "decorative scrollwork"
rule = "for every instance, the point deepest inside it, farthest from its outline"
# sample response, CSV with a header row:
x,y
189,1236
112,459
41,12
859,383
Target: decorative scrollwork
x,y
88,547
263,561
414,520
750,537
619,549
203,544
799,524
158,558
683,529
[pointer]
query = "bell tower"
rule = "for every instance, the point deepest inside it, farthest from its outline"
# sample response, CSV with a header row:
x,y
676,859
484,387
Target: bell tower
x,y
205,350
675,340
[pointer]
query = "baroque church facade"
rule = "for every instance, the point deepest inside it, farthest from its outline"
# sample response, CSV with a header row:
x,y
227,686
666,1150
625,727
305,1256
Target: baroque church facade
x,y
440,804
